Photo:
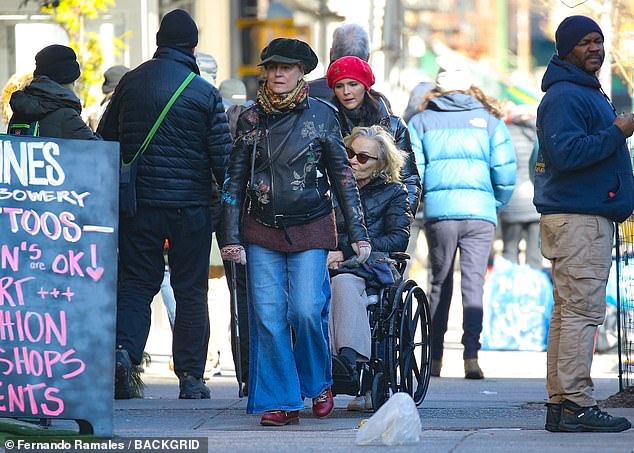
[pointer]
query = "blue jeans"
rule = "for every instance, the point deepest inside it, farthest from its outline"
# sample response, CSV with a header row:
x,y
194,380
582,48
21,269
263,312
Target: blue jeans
x,y
287,291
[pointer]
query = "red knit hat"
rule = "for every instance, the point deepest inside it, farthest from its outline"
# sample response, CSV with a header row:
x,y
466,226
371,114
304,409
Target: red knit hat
x,y
350,67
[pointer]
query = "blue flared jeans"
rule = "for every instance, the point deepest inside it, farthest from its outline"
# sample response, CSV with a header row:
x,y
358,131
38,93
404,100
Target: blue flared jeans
x,y
287,291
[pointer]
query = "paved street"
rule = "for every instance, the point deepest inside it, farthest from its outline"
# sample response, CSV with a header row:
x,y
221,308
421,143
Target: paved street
x,y
502,413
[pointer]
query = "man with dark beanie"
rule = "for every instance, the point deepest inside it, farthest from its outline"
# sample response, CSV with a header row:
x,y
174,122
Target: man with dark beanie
x,y
178,194
49,102
583,185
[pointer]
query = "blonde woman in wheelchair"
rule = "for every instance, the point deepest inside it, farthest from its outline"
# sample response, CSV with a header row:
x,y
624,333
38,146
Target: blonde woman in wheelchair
x,y
376,164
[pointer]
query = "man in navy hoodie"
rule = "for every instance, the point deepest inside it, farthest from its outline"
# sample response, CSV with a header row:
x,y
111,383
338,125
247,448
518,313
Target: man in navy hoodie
x,y
583,184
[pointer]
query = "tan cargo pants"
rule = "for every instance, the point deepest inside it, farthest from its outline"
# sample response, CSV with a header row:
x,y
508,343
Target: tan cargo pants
x,y
579,248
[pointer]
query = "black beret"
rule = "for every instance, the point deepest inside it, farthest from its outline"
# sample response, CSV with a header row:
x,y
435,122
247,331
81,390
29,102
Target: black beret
x,y
291,51
58,63
177,29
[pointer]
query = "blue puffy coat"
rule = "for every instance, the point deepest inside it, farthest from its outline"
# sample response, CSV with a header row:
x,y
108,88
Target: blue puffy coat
x,y
465,159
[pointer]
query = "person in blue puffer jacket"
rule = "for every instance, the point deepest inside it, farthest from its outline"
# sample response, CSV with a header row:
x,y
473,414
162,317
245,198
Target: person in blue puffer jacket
x,y
466,162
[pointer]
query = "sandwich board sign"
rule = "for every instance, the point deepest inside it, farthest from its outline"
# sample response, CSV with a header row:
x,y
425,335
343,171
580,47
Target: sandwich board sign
x,y
58,267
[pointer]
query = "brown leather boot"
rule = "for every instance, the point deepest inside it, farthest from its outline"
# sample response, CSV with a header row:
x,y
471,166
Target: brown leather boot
x,y
472,369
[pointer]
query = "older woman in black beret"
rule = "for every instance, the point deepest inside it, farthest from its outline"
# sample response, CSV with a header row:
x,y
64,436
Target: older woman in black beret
x,y
278,218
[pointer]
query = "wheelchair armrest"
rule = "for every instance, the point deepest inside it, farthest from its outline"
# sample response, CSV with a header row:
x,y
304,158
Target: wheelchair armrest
x,y
399,256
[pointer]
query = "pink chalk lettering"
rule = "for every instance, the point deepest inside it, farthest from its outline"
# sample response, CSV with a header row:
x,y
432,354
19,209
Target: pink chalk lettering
x,y
72,231
56,231
68,294
9,257
35,252
95,274
63,265
13,217
33,327
7,363
16,398
49,395
5,284
52,226
81,366
50,359
24,222
30,393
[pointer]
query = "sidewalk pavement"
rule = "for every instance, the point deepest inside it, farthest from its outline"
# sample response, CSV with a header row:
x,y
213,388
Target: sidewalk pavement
x,y
501,413
504,412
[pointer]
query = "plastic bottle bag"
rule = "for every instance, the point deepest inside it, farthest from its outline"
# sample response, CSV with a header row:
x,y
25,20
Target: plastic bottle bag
x,y
395,423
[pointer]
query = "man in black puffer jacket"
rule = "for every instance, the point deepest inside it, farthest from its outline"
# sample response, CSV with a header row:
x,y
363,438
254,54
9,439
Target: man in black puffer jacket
x,y
177,196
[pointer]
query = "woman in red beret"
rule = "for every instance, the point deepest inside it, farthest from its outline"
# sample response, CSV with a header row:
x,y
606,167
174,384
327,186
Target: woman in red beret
x,y
351,79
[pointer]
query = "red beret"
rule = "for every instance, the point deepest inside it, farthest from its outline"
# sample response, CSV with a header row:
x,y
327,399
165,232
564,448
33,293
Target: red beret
x,y
350,67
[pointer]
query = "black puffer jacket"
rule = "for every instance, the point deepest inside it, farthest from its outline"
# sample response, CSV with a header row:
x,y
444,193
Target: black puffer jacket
x,y
57,109
387,217
185,161
398,129
309,160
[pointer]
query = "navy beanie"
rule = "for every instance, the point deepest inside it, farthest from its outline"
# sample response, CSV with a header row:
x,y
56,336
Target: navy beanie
x,y
58,63
177,29
571,30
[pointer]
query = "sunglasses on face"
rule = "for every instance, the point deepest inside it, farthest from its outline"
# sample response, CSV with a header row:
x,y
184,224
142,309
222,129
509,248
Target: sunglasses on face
x,y
361,157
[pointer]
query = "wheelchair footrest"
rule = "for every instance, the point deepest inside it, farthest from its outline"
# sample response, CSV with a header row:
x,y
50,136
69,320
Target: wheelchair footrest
x,y
344,382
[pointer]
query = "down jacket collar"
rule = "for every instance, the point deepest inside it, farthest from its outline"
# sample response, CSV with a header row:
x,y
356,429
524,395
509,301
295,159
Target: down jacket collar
x,y
178,55
42,97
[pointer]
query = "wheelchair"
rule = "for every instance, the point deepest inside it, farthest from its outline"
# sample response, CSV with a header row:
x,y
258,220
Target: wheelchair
x,y
400,360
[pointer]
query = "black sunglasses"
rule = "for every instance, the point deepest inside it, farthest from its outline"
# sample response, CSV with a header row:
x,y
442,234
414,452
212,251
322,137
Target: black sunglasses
x,y
361,157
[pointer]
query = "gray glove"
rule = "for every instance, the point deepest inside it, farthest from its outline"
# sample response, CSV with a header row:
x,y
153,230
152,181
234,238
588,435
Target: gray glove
x,y
234,253
363,250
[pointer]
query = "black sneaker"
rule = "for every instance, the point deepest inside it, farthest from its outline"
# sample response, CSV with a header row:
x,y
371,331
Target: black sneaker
x,y
553,415
127,380
575,418
192,388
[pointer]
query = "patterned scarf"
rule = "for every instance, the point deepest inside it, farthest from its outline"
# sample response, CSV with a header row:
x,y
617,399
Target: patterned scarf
x,y
275,103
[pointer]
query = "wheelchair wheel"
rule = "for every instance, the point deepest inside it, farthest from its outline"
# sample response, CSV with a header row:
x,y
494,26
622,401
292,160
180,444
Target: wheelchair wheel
x,y
380,390
409,351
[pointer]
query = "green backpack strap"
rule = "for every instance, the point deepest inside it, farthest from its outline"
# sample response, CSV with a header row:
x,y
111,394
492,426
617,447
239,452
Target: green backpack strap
x,y
159,120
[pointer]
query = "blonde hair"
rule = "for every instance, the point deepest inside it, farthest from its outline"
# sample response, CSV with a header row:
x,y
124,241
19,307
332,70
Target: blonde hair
x,y
393,157
491,104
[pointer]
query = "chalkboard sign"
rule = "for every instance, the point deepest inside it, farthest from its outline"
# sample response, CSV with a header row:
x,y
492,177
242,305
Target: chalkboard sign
x,y
58,242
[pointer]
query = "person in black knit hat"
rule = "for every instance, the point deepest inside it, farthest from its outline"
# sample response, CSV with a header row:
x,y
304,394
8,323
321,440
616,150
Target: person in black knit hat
x,y
177,29
48,103
583,185
178,192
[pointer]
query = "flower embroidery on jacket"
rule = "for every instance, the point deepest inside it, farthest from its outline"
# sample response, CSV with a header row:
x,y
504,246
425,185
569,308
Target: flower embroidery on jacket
x,y
262,190
299,181
309,130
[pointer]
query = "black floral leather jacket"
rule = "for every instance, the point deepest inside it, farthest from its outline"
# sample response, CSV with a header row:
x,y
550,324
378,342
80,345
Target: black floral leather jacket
x,y
299,158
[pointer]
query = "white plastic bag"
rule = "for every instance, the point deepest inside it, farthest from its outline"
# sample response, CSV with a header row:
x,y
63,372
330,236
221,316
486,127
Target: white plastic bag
x,y
395,423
